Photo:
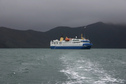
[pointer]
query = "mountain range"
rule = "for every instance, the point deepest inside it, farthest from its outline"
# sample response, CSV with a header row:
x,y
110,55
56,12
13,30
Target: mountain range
x,y
102,35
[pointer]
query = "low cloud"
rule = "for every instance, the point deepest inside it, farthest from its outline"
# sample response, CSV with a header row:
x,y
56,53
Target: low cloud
x,y
46,14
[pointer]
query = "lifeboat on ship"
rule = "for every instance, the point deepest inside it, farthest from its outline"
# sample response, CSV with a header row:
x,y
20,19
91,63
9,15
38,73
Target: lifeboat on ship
x,y
67,39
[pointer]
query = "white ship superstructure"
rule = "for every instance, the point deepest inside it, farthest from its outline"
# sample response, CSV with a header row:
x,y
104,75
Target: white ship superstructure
x,y
70,43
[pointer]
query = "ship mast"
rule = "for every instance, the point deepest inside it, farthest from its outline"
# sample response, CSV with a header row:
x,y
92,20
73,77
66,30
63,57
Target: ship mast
x,y
82,36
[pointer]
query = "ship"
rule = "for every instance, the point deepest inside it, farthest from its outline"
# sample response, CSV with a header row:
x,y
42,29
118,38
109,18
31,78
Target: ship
x,y
71,43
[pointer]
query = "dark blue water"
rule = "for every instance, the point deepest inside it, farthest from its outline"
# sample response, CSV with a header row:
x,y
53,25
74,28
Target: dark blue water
x,y
46,66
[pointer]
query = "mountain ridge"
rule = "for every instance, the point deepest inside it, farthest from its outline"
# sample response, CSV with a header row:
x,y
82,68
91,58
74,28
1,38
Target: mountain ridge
x,y
102,35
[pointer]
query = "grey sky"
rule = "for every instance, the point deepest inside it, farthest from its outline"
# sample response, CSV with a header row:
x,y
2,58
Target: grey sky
x,y
46,14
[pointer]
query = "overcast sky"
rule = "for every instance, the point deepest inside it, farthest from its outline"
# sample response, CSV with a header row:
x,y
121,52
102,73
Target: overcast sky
x,y
46,14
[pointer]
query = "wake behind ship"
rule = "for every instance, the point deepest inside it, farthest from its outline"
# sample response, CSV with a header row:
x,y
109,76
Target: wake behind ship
x,y
70,43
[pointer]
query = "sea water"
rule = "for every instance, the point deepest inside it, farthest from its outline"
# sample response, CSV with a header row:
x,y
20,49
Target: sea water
x,y
46,66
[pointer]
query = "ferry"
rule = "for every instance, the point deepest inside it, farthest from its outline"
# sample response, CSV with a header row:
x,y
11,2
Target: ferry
x,y
71,43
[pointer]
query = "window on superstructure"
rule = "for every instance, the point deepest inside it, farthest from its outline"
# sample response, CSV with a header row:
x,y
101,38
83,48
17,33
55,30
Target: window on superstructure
x,y
56,42
75,40
60,42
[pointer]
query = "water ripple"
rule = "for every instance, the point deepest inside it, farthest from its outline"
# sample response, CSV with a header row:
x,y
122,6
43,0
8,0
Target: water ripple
x,y
84,71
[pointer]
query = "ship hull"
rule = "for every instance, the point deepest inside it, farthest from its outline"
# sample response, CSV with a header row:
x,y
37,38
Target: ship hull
x,y
70,47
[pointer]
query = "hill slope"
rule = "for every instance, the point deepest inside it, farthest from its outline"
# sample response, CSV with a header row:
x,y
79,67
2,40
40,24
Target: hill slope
x,y
101,35
10,38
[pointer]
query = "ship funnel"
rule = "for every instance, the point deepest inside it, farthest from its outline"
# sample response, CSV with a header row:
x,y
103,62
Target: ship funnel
x,y
61,38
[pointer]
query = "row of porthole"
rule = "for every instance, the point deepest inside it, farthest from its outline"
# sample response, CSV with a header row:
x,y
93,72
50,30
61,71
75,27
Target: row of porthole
x,y
56,43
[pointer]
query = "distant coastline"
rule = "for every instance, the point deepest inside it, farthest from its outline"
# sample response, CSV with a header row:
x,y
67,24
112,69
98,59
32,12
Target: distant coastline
x,y
100,34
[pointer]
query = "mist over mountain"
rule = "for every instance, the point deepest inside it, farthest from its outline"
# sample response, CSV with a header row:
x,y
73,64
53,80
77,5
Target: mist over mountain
x,y
100,34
